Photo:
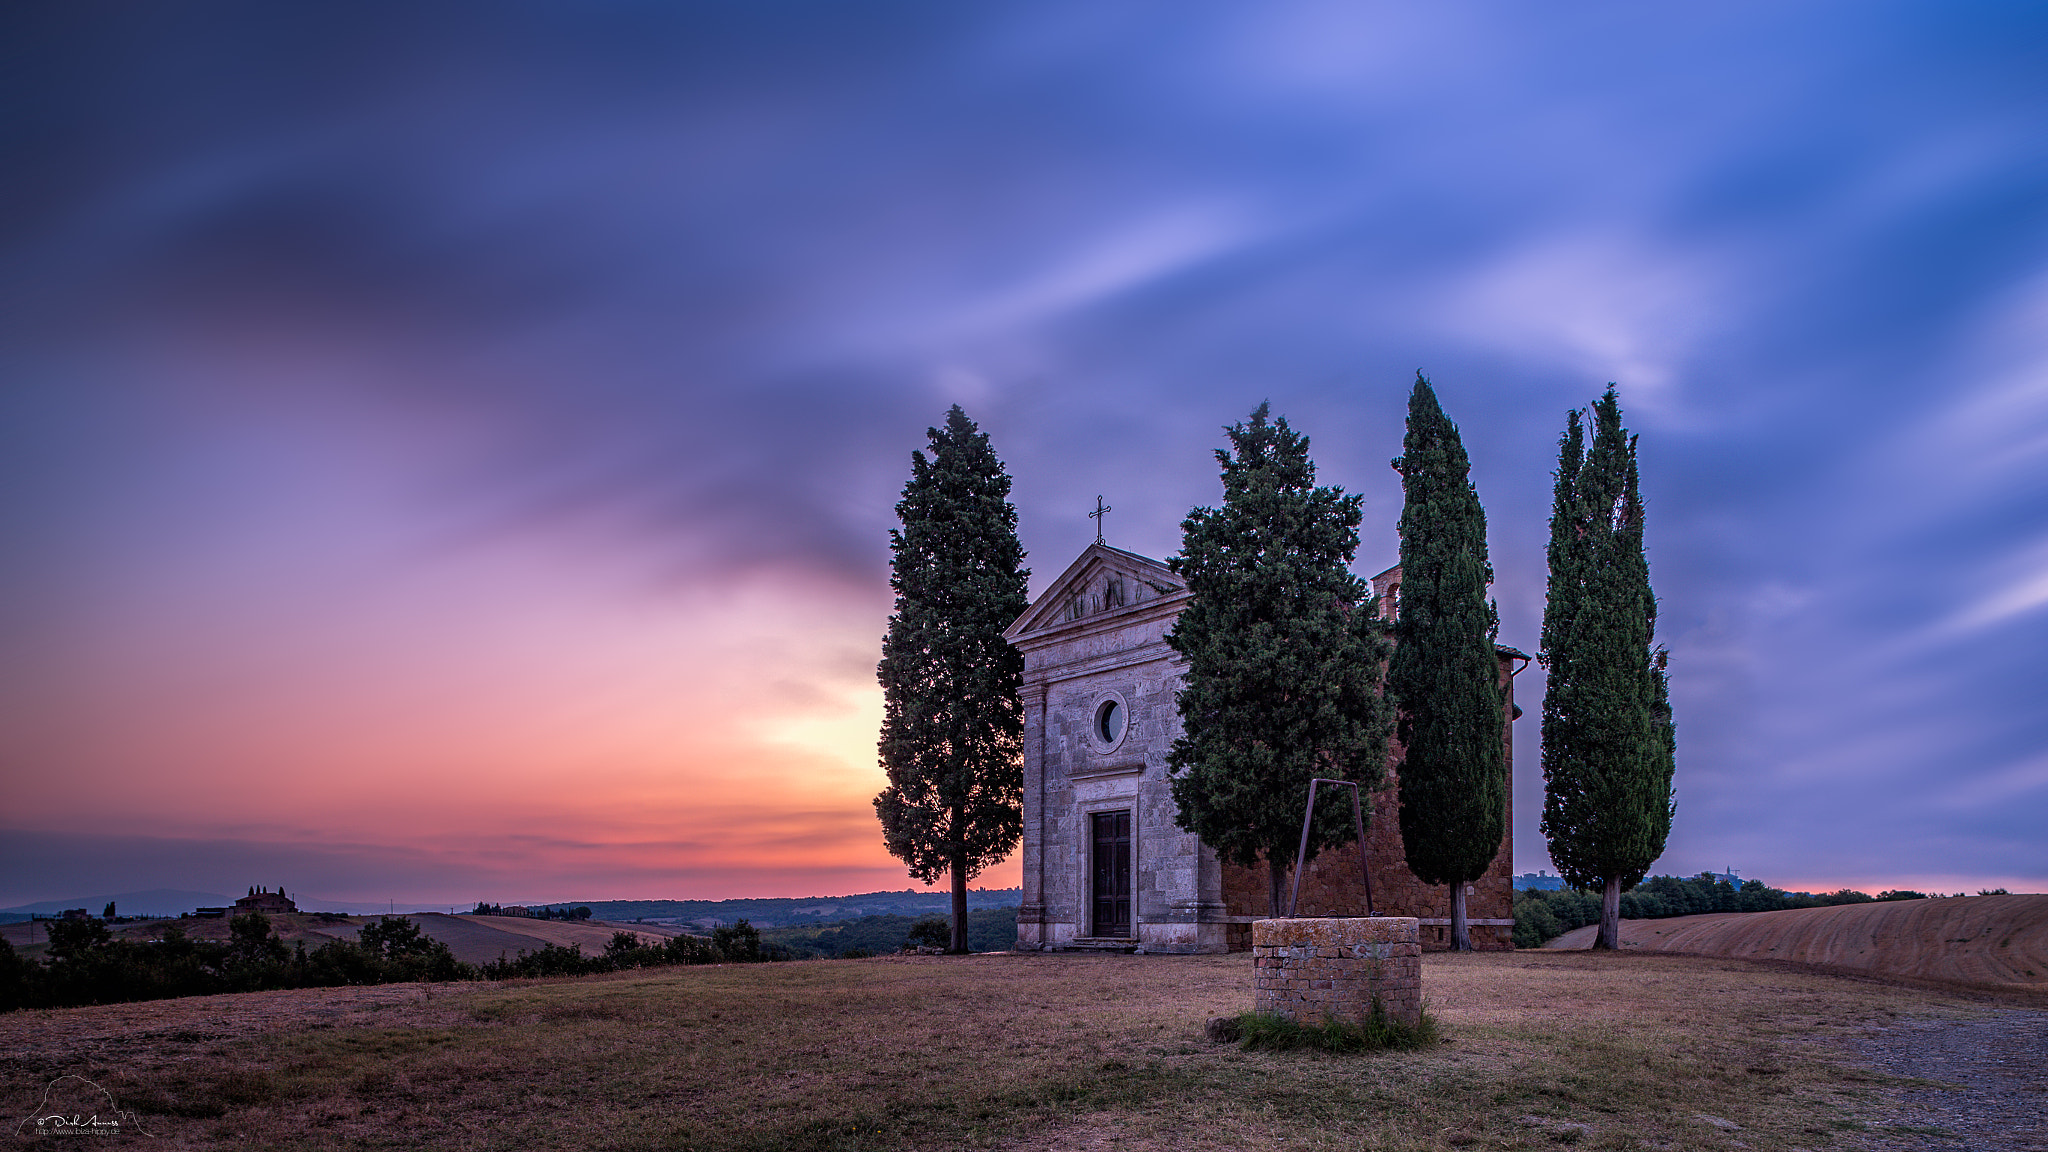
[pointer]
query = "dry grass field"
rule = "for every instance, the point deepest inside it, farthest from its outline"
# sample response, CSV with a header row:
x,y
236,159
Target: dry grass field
x,y
1004,1051
1992,942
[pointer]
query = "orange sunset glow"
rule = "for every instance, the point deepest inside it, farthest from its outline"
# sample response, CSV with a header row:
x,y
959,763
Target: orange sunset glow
x,y
507,719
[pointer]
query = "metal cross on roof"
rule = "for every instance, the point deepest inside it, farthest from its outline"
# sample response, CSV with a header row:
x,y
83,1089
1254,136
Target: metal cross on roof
x,y
1097,515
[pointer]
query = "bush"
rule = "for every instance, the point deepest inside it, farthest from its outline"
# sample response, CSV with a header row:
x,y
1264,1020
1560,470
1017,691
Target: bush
x,y
740,942
930,932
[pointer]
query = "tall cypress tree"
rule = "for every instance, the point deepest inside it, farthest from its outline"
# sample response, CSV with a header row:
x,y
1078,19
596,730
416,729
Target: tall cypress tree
x,y
952,724
1445,677
1608,741
1283,654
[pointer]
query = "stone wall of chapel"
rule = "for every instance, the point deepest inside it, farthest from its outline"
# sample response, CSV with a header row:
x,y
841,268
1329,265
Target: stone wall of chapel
x,y
1183,900
1332,886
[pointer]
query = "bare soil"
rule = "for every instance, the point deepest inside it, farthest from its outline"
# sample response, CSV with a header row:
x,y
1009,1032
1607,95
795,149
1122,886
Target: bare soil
x,y
1987,942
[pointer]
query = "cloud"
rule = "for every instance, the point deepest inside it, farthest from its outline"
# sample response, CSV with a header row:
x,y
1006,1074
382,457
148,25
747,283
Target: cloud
x,y
2021,594
528,391
1601,308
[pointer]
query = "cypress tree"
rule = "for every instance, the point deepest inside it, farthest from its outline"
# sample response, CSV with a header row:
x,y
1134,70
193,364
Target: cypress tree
x,y
952,723
1608,741
1445,677
1283,652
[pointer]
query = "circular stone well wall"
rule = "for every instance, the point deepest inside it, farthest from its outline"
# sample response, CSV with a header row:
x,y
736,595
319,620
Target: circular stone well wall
x,y
1313,968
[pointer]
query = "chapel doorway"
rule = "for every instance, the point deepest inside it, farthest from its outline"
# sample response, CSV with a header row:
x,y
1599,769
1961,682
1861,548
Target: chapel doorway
x,y
1112,874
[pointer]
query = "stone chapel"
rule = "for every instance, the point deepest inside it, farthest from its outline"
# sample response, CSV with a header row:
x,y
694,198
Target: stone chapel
x,y
1105,867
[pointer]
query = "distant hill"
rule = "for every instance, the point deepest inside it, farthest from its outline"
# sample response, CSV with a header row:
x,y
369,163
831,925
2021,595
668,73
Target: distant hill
x,y
782,912
1999,941
774,912
155,902
172,901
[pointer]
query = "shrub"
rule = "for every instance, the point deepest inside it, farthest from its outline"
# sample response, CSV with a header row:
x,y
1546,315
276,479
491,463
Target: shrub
x,y
739,942
74,939
930,932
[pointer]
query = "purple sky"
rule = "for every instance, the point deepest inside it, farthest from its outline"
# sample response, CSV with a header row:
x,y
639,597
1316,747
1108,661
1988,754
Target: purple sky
x,y
449,450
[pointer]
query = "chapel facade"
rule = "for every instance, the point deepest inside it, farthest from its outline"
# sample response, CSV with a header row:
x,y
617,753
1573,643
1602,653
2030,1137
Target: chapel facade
x,y
1105,866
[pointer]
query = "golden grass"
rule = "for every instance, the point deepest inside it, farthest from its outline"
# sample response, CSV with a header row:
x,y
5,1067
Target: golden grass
x,y
1005,1051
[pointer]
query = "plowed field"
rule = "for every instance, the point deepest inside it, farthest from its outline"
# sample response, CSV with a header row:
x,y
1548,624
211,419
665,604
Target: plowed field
x,y
1978,940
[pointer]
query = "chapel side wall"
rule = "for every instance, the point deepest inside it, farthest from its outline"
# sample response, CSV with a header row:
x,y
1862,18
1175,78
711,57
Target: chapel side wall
x,y
1331,884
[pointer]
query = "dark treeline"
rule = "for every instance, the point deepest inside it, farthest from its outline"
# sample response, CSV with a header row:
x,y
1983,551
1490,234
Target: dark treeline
x,y
582,912
1541,916
988,930
739,943
89,965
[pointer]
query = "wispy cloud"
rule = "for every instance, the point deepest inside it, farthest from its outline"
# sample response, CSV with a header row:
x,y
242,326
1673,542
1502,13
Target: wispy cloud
x,y
494,417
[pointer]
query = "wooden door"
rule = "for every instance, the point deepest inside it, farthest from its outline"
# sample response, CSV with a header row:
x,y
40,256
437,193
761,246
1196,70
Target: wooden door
x,y
1112,874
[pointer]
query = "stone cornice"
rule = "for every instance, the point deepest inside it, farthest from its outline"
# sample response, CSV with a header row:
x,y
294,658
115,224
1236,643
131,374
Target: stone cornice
x,y
1046,675
1165,607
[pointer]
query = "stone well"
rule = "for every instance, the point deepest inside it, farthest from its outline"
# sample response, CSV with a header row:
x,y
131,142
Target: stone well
x,y
1313,968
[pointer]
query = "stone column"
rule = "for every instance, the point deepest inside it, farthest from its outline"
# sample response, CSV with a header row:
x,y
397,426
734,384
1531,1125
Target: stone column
x,y
1031,908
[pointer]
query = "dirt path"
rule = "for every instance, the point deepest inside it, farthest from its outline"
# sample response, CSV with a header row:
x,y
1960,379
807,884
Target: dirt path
x,y
1989,1090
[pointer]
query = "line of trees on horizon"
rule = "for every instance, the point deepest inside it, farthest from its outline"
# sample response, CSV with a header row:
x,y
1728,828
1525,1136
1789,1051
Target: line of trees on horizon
x,y
581,912
988,930
89,965
1543,915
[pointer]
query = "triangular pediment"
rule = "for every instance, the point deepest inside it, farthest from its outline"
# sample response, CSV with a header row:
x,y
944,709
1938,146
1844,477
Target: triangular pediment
x,y
1102,581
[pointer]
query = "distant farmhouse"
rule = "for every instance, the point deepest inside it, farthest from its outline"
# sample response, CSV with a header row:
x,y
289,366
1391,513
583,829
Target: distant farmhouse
x,y
1104,864
258,900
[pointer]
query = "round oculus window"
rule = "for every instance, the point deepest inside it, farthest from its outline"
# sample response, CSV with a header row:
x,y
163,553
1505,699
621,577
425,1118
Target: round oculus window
x,y
1109,722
